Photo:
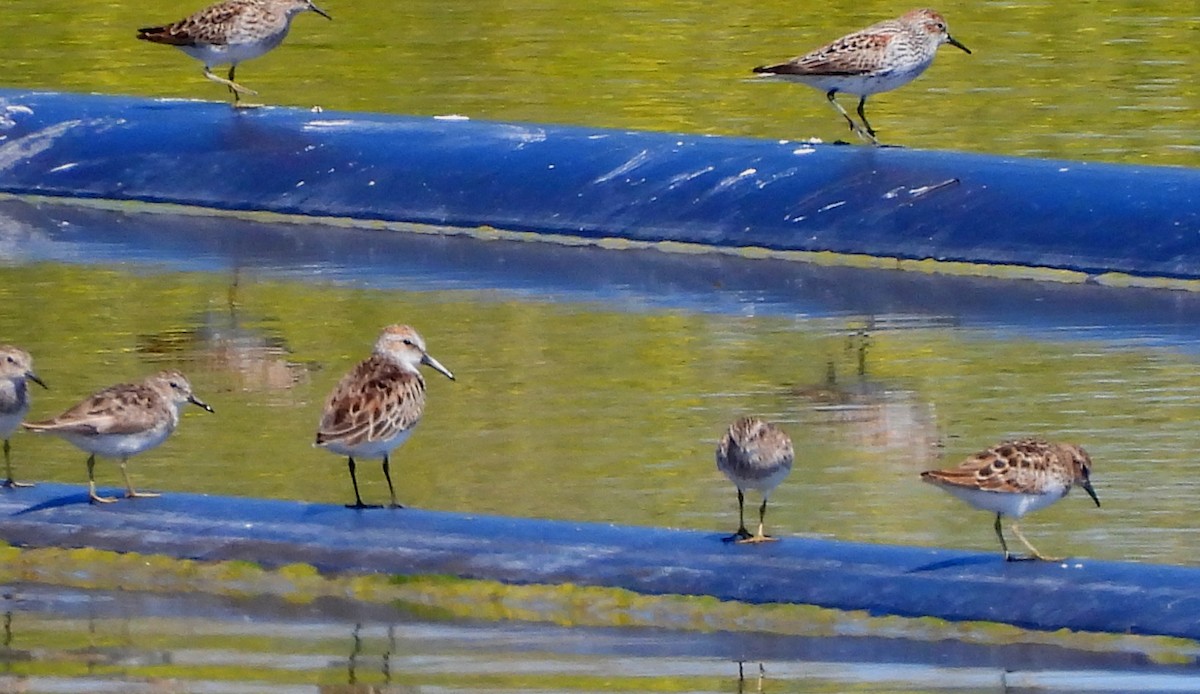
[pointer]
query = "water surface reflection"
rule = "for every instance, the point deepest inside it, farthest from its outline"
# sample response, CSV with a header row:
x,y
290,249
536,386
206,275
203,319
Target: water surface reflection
x,y
72,640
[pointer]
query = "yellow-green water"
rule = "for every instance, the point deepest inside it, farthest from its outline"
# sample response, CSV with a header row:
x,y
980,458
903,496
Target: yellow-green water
x,y
1094,80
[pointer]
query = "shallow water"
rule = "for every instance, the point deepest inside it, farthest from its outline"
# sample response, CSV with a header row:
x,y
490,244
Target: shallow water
x,y
65,640
1112,80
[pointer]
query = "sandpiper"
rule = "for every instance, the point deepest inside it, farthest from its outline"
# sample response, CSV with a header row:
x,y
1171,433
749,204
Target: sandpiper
x,y
16,367
122,421
1014,478
231,32
754,454
877,59
375,407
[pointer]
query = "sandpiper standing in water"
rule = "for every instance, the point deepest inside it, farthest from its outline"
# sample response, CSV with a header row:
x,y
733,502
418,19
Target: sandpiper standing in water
x,y
376,406
877,59
1014,478
754,454
122,421
231,32
16,368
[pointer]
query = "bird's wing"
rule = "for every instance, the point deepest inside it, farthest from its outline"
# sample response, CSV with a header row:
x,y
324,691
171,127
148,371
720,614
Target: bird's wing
x,y
128,408
374,402
208,26
836,58
998,469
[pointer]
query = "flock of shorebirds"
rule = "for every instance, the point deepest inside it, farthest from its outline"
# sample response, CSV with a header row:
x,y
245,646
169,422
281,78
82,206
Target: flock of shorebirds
x,y
876,59
1009,479
375,407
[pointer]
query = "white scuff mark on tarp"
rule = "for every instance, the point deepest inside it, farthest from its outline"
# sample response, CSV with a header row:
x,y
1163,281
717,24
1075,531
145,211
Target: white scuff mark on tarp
x,y
523,135
732,180
329,124
688,175
6,115
632,163
832,206
925,190
28,146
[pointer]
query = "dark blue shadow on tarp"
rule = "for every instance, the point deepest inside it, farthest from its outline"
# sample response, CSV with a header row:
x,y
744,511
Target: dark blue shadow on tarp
x,y
632,280
883,202
1078,594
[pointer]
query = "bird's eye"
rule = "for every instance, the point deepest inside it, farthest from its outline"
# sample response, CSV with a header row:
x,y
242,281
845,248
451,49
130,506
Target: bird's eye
x,y
12,361
941,26
408,342
174,385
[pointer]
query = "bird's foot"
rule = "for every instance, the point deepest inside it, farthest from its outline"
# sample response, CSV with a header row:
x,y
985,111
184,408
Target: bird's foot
x,y
242,105
1036,556
740,536
131,494
757,539
97,499
10,483
359,506
395,505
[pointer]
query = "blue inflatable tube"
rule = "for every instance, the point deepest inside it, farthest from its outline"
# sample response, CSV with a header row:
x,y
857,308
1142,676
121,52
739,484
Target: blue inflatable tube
x,y
564,181
1078,594
569,182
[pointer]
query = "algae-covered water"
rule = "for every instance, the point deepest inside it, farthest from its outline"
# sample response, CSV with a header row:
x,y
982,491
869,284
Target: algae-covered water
x,y
1112,80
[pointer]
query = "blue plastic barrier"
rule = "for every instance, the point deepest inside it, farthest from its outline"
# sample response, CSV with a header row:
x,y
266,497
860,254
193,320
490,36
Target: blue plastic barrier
x,y
644,186
882,202
882,580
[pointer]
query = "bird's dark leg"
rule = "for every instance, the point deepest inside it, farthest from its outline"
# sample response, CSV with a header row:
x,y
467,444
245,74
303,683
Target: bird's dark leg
x,y
93,497
862,103
358,502
1003,544
741,533
387,474
9,481
233,91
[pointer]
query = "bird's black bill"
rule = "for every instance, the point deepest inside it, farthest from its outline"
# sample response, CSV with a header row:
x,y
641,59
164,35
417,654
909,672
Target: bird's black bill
x,y
201,405
951,40
33,377
325,14
1087,487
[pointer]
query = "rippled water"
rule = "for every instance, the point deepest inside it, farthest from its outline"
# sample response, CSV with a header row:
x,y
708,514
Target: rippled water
x,y
61,640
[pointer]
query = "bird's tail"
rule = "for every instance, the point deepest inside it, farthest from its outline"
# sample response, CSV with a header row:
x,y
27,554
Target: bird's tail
x,y
166,35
